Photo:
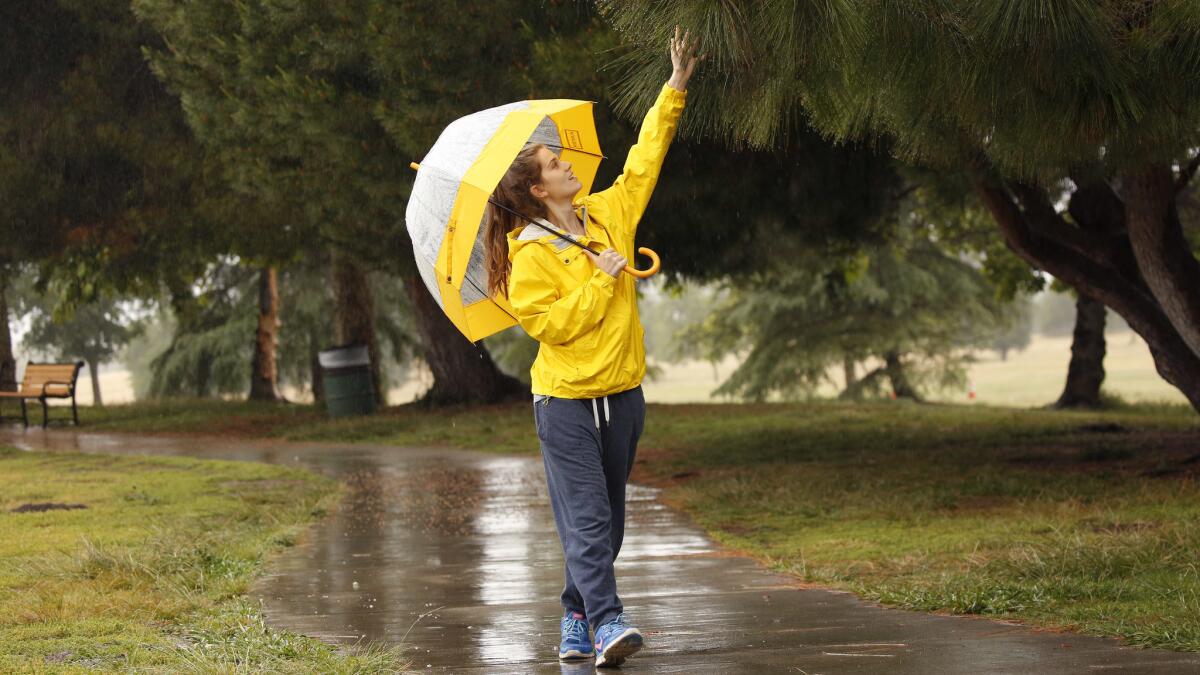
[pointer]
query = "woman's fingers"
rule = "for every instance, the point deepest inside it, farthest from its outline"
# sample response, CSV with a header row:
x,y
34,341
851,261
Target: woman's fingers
x,y
609,260
681,46
618,264
614,257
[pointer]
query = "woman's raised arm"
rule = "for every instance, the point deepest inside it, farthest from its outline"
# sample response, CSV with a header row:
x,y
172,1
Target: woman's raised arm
x,y
630,193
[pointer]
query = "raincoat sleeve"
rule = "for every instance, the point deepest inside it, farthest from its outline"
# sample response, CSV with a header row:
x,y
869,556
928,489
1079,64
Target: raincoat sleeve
x,y
630,193
552,319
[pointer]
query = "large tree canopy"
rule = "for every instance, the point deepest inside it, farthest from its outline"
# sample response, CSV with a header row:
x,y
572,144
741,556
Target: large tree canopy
x,y
1026,99
1040,87
97,158
317,110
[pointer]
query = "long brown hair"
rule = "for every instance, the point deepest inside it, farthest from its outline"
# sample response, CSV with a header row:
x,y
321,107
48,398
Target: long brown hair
x,y
513,193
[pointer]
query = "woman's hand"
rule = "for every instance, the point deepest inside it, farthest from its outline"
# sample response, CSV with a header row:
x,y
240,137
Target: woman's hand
x,y
609,260
683,59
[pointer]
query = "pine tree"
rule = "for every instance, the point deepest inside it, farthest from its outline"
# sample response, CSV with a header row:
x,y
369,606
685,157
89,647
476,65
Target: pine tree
x,y
907,305
319,108
1025,99
102,184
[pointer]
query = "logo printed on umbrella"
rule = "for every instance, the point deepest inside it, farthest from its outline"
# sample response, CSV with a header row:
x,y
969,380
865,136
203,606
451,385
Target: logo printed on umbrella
x,y
571,138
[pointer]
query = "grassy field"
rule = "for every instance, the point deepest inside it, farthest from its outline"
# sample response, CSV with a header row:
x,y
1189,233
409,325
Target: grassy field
x,y
1031,377
144,565
1079,520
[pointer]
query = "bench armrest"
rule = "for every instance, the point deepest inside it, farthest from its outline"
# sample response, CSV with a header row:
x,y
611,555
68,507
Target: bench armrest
x,y
69,385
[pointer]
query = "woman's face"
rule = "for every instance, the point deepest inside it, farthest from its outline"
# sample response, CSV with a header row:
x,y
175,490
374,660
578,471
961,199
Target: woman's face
x,y
558,180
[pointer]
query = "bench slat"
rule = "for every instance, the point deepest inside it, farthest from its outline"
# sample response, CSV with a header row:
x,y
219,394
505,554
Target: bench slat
x,y
50,367
39,381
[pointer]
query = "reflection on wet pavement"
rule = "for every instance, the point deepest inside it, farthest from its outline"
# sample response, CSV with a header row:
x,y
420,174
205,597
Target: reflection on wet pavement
x,y
455,555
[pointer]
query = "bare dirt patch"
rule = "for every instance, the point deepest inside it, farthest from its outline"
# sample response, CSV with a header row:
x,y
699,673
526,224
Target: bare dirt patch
x,y
39,507
265,484
1145,453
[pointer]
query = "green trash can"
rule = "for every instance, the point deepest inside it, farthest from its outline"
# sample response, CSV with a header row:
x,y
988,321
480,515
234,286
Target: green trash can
x,y
346,372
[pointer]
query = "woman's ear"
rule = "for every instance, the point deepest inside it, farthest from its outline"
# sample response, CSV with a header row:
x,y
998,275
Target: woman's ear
x,y
538,191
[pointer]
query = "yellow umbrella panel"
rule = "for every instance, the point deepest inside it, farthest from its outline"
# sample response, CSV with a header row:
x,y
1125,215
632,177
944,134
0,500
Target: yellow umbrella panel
x,y
445,212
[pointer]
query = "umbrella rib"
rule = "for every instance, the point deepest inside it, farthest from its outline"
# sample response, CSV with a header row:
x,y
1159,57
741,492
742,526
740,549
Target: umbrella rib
x,y
472,282
582,152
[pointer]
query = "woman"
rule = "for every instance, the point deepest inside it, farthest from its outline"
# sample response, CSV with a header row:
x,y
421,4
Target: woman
x,y
584,314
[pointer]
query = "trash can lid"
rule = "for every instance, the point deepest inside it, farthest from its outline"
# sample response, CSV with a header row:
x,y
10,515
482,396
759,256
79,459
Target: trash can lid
x,y
341,357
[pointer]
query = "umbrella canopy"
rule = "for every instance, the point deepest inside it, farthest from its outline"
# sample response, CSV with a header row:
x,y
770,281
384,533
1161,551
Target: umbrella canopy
x,y
445,212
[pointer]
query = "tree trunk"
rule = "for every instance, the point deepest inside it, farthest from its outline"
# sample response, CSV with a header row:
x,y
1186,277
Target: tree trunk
x,y
354,315
895,371
1163,253
848,371
94,372
462,371
204,366
316,374
1097,261
867,382
264,374
1086,372
8,363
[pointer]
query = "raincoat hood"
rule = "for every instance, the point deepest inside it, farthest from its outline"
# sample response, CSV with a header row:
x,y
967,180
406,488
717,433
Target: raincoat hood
x,y
528,234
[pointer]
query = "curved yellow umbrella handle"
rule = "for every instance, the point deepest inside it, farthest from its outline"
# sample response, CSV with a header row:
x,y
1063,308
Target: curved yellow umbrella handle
x,y
649,271
655,263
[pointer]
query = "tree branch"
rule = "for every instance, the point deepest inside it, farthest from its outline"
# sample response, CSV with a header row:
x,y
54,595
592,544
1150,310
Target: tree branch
x,y
1187,173
1040,214
1173,358
1136,305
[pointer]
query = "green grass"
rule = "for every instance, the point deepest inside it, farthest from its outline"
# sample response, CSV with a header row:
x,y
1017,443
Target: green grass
x,y
1033,515
500,428
152,575
1078,520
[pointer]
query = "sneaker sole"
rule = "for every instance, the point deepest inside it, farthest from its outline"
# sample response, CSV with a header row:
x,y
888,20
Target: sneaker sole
x,y
574,654
621,648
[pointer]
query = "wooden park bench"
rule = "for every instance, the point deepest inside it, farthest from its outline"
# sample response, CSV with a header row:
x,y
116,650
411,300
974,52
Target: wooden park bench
x,y
44,381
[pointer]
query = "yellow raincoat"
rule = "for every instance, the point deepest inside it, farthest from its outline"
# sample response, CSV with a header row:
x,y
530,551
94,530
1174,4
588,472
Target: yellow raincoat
x,y
592,341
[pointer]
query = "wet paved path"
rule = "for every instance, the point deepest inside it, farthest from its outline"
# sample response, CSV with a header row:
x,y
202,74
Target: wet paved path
x,y
456,553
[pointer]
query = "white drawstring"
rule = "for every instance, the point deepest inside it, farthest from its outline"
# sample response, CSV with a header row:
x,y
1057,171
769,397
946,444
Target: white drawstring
x,y
596,413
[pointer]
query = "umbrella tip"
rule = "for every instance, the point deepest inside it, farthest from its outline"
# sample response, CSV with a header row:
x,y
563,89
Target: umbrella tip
x,y
414,165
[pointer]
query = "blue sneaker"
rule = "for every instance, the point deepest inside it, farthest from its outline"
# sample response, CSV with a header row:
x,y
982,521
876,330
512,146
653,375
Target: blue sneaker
x,y
576,643
616,641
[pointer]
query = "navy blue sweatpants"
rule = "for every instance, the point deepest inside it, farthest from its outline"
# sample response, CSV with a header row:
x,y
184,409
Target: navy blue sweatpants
x,y
586,471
